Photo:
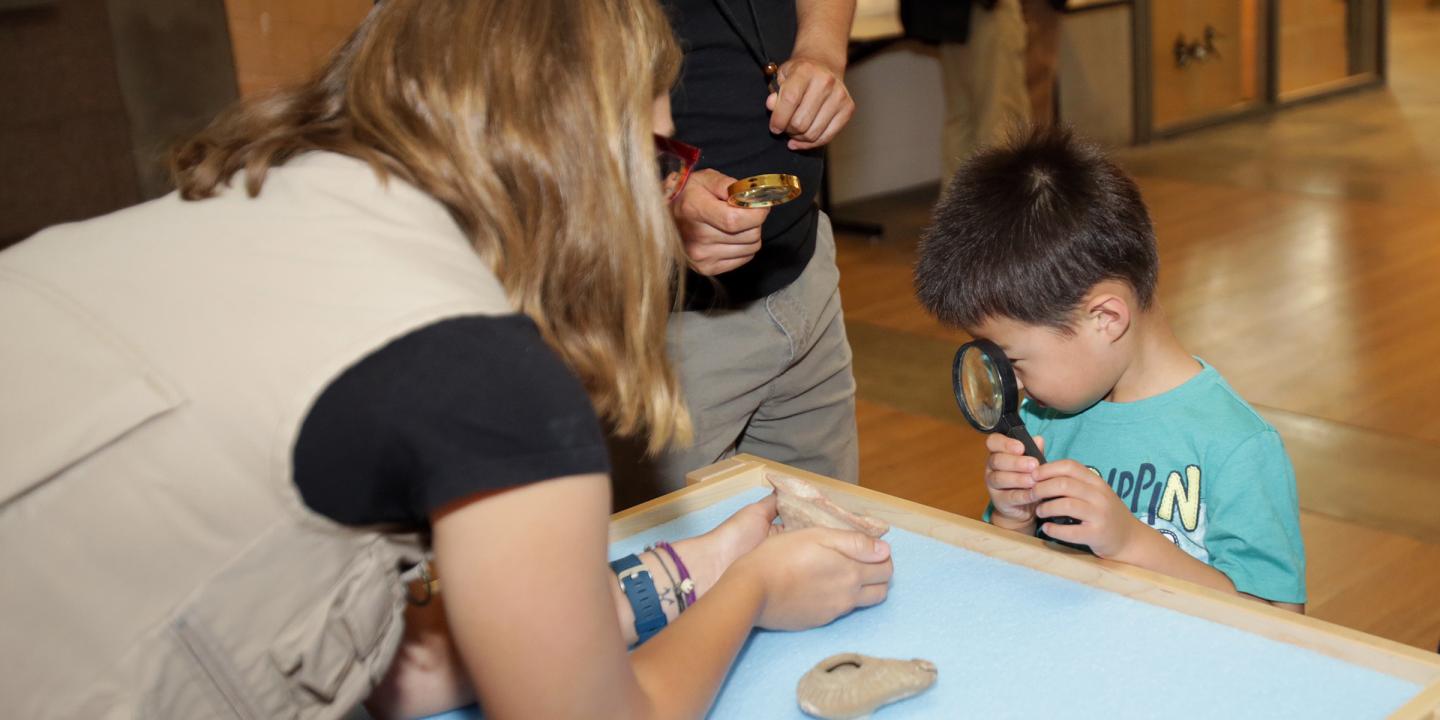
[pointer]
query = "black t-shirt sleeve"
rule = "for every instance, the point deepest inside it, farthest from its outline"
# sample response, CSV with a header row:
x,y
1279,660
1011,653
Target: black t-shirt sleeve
x,y
450,410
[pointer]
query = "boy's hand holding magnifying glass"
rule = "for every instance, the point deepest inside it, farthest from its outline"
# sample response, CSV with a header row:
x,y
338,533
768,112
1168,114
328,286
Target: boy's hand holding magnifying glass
x,y
989,396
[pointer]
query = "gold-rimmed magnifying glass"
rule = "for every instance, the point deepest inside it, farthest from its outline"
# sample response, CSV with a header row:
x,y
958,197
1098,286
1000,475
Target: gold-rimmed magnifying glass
x,y
762,191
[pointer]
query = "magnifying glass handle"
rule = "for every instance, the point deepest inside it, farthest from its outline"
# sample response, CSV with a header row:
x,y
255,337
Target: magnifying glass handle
x,y
1018,432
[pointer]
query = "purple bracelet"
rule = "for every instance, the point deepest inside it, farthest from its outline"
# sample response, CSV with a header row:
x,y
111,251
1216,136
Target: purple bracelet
x,y
687,585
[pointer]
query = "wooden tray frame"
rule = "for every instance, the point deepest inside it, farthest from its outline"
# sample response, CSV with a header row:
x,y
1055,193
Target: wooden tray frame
x,y
724,479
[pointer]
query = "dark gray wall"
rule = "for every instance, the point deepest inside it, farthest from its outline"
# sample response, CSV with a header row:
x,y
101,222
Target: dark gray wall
x,y
92,92
177,71
64,137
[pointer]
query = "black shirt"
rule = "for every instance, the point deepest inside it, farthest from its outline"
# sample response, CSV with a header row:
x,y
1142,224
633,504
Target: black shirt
x,y
453,409
719,106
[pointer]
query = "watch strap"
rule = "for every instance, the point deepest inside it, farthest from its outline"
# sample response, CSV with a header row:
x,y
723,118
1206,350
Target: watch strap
x,y
639,589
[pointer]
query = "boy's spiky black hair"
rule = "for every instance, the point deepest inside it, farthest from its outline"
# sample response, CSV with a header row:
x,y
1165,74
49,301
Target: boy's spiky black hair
x,y
1026,229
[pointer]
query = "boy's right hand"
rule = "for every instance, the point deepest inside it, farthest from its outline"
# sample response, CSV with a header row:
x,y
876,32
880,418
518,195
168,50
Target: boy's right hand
x,y
1010,477
812,576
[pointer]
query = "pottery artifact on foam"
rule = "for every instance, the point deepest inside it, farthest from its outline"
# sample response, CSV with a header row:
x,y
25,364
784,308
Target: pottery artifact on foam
x,y
801,505
850,685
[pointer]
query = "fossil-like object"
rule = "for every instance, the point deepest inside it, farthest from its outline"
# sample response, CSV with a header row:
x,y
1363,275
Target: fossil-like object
x,y
801,505
850,685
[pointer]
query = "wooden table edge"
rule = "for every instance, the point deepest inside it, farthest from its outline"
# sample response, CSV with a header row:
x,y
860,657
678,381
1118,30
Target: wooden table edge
x,y
734,475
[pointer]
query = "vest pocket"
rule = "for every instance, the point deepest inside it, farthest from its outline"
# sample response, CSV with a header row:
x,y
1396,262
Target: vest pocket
x,y
325,662
297,630
320,650
71,386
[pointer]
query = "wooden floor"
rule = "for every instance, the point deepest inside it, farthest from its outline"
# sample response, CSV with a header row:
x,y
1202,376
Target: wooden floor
x,y
1300,255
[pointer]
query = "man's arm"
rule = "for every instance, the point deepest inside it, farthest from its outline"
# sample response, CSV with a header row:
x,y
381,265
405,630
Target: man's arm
x,y
813,104
824,30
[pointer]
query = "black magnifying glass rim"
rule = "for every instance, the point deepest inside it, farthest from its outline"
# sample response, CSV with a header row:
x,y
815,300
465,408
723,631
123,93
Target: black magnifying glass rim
x,y
1010,389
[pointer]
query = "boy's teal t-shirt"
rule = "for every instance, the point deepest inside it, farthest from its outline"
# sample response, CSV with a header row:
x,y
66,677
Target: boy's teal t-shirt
x,y
1200,466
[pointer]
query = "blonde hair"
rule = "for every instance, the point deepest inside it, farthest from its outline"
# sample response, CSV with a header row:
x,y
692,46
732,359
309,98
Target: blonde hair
x,y
531,121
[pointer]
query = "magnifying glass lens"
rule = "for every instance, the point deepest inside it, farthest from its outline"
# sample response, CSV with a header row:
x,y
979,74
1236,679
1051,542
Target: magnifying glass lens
x,y
982,391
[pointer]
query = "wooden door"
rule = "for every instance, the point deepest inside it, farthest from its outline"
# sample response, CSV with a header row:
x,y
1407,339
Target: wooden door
x,y
1203,59
1313,49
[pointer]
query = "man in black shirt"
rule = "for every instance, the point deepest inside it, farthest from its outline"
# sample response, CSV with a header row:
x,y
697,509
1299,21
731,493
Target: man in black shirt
x,y
761,345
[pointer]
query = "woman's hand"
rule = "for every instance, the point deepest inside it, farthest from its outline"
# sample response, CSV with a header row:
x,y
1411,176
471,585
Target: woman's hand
x,y
708,556
426,676
810,577
745,530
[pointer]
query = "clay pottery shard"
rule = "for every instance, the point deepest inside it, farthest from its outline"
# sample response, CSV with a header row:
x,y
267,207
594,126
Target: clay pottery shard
x,y
850,685
802,505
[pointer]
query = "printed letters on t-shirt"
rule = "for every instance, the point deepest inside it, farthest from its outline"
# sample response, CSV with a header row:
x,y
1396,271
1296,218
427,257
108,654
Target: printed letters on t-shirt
x,y
1173,507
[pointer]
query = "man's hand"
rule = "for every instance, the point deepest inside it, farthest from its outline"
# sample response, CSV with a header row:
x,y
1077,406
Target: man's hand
x,y
813,104
718,237
1066,487
1009,476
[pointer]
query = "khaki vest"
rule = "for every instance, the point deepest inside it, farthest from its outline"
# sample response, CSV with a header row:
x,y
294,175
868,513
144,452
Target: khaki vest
x,y
155,367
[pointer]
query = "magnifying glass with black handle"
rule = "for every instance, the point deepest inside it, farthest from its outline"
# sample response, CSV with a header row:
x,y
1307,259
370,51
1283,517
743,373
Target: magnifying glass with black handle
x,y
989,396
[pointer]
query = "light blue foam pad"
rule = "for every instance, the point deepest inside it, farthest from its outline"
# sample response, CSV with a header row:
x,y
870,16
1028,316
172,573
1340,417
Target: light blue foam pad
x,y
1014,642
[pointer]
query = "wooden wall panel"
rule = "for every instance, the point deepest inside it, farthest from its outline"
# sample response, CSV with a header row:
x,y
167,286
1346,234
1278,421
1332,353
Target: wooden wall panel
x,y
1097,91
283,41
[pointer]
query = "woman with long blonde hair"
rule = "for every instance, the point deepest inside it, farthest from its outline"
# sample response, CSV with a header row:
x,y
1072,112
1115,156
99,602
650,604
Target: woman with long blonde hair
x,y
383,316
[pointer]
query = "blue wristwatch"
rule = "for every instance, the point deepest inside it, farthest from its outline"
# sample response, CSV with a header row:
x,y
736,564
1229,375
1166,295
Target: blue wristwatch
x,y
639,589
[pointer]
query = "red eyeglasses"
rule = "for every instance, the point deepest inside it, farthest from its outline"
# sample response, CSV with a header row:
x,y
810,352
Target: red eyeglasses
x,y
675,160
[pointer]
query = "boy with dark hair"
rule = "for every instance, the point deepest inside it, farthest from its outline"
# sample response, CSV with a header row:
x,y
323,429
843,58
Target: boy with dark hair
x,y
1045,247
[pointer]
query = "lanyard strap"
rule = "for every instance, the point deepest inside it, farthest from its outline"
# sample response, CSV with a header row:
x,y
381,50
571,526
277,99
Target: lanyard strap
x,y
757,49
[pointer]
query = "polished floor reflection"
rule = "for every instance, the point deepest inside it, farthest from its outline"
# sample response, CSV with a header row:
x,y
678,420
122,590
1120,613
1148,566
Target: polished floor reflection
x,y
1300,255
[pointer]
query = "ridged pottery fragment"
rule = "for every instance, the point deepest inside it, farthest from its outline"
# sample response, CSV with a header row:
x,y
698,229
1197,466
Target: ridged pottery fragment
x,y
850,685
801,505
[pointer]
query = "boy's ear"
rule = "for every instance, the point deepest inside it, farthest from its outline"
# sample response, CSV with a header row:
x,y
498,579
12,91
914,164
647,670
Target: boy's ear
x,y
1109,314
